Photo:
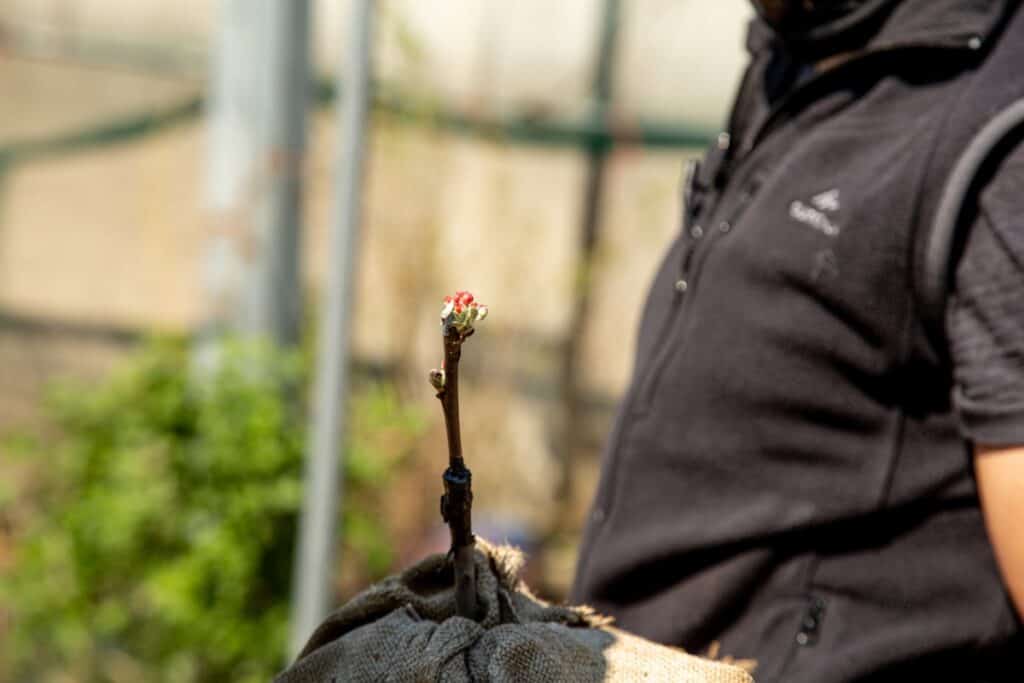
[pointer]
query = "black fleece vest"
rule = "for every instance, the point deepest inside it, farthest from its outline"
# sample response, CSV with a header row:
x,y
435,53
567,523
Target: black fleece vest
x,y
785,476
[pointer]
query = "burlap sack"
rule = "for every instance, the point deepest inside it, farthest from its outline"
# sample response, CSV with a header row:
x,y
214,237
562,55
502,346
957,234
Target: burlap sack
x,y
403,629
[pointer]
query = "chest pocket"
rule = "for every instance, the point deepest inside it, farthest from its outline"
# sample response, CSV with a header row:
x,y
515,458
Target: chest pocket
x,y
797,312
784,349
828,235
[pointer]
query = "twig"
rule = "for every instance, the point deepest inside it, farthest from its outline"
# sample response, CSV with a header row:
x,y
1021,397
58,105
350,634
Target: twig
x,y
457,502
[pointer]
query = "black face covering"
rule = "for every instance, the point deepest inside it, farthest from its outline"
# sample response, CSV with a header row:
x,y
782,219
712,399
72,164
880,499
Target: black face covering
x,y
807,22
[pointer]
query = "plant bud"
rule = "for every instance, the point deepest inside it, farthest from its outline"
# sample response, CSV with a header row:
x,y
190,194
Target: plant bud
x,y
462,311
447,309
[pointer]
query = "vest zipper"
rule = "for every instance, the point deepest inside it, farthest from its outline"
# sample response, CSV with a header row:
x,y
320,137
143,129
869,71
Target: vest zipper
x,y
685,286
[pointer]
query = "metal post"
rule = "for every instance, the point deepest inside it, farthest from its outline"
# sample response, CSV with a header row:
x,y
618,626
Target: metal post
x,y
275,292
323,492
597,150
234,97
256,114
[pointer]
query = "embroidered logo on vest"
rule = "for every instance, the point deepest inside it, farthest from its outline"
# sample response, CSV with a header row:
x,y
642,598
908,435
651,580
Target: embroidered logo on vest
x,y
816,214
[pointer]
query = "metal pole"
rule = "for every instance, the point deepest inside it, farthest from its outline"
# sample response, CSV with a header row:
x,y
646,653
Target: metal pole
x,y
235,97
256,113
275,293
323,492
597,151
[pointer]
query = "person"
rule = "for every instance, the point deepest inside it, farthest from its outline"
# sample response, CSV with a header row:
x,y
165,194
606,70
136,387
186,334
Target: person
x,y
799,473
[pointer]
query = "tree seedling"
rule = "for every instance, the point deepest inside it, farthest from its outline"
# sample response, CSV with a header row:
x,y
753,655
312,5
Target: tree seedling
x,y
458,316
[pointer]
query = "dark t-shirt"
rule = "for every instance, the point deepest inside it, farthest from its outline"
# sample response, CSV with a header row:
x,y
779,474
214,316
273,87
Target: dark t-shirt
x,y
985,317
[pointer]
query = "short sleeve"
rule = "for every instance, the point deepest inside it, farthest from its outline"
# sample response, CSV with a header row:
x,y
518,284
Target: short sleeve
x,y
985,317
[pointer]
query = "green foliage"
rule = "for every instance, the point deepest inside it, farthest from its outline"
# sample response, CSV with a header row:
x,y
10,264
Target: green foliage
x,y
156,540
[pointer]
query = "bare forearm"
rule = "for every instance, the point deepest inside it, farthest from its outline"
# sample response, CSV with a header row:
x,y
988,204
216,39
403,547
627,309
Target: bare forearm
x,y
1000,472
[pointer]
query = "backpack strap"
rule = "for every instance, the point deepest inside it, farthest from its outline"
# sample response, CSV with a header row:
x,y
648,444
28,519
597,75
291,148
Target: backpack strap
x,y
948,231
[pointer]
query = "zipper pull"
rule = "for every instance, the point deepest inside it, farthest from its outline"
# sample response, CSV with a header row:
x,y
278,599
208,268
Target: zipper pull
x,y
692,191
810,625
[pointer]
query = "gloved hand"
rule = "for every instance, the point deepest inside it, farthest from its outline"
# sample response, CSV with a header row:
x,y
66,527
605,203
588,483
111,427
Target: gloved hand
x,y
404,629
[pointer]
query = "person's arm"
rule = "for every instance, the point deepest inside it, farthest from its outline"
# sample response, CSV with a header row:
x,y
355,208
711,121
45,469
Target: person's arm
x,y
985,328
1000,472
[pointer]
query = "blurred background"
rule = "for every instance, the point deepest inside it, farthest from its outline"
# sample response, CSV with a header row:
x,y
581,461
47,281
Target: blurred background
x,y
170,177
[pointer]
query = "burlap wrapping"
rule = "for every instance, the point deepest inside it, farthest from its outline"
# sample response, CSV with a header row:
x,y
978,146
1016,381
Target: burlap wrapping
x,y
403,629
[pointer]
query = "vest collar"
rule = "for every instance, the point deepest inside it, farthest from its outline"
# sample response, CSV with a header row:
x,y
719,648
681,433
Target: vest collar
x,y
941,24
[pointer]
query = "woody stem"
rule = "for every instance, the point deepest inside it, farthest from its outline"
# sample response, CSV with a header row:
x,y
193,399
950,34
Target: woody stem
x,y
457,501
450,396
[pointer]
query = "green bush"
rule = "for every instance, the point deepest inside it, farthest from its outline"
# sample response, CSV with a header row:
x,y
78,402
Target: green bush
x,y
156,539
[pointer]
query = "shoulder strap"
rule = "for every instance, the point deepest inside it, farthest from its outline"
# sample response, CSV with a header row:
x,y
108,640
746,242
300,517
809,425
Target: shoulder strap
x,y
933,279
